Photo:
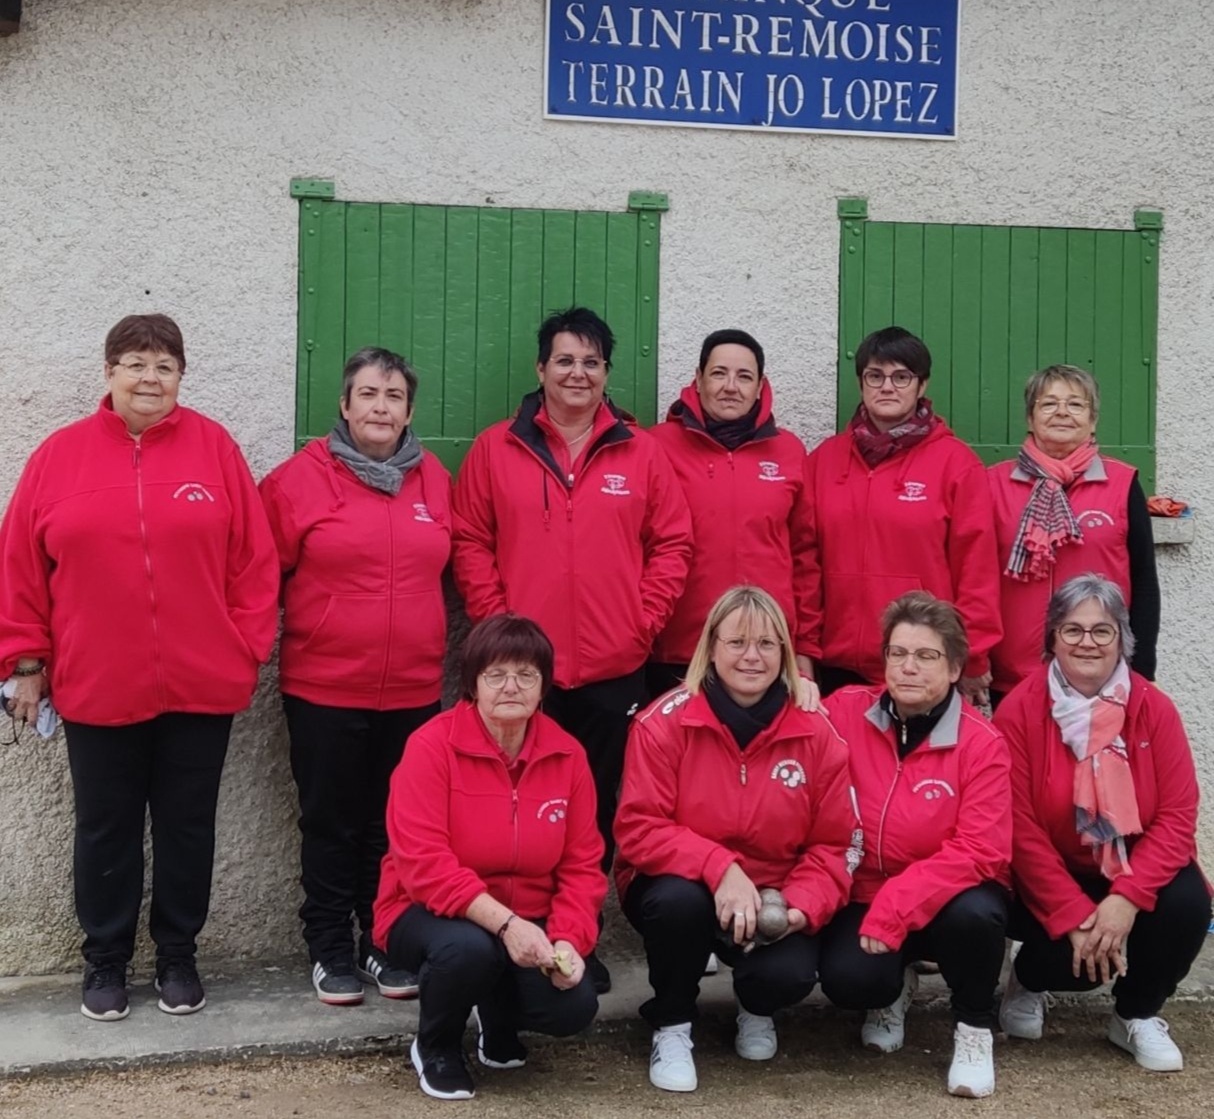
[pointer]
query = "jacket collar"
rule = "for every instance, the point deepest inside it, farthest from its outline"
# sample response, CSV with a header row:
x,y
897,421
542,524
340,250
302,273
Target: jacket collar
x,y
531,435
790,723
690,412
947,732
1094,473
115,426
469,735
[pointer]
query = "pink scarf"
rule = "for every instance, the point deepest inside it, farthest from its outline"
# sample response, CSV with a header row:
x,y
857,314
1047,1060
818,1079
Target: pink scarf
x,y
876,446
1048,521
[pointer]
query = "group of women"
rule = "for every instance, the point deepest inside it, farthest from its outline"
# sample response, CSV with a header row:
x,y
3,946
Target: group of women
x,y
602,565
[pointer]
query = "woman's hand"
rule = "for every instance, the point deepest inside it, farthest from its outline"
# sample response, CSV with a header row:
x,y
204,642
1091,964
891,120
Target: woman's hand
x,y
560,980
30,690
977,689
1105,947
796,923
873,946
737,903
528,944
807,695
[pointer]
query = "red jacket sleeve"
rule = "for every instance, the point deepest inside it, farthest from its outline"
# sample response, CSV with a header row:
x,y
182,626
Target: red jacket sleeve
x,y
25,596
252,567
1041,877
806,575
1167,845
665,541
474,536
581,884
974,565
287,531
978,851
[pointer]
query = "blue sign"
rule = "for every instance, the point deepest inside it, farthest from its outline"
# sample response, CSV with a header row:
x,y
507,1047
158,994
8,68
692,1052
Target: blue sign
x,y
865,67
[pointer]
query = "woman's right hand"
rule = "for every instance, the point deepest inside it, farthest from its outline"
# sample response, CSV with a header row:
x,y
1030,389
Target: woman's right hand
x,y
528,944
30,690
1101,966
737,903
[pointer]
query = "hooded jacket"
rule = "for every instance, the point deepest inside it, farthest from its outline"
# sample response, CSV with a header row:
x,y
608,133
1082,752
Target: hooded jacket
x,y
750,522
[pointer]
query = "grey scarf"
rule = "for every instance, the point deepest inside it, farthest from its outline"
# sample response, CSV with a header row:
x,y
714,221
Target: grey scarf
x,y
387,476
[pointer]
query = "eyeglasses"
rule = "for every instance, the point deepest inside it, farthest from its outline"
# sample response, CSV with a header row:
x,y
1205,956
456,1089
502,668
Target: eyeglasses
x,y
1048,406
1102,634
496,678
589,365
137,369
895,654
901,379
768,647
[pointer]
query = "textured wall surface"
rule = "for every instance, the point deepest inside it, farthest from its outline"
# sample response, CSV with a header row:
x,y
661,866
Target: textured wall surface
x,y
145,152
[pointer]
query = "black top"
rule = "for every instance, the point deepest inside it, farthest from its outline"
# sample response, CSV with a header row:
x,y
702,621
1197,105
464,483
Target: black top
x,y
1144,582
744,723
915,730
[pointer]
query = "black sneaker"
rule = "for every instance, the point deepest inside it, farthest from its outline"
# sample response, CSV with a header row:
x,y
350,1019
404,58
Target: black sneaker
x,y
599,975
179,986
393,982
336,984
103,997
443,1075
500,1051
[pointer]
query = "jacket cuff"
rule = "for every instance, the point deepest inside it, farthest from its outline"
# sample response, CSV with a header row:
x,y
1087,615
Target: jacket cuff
x,y
1067,917
716,865
888,932
1125,885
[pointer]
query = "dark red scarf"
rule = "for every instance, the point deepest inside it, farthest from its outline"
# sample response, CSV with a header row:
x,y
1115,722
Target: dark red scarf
x,y
876,446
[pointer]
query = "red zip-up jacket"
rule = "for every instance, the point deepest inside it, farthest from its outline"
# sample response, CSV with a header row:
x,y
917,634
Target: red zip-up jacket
x,y
936,822
692,804
920,520
364,620
749,521
1047,856
597,562
143,573
460,824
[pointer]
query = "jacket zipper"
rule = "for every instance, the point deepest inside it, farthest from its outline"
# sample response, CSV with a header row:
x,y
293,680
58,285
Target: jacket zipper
x,y
383,679
742,775
514,826
147,563
885,808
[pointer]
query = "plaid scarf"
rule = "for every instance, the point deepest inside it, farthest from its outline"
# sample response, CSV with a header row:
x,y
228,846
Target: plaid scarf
x,y
876,446
1048,521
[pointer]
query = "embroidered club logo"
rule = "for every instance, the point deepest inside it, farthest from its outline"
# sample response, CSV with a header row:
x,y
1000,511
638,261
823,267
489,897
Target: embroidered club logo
x,y
193,491
616,485
553,810
933,789
913,491
1094,518
421,513
789,771
770,472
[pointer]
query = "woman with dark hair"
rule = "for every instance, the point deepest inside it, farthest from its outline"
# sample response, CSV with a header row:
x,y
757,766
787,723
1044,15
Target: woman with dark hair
x,y
491,888
1104,853
899,503
140,590
362,521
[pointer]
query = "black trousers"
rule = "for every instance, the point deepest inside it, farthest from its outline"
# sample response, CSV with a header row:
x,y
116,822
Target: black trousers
x,y
831,679
169,766
660,677
459,965
598,716
965,938
677,919
1160,949
342,759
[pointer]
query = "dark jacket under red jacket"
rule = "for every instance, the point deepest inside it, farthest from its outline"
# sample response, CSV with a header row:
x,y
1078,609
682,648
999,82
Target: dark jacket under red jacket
x,y
460,826
920,520
936,822
598,563
143,572
364,619
749,521
1047,855
692,804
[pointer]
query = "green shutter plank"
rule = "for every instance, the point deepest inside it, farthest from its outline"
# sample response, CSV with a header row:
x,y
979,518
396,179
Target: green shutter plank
x,y
430,315
851,312
938,310
493,320
309,307
362,277
460,324
1080,297
621,296
878,278
992,370
590,261
560,244
910,288
527,309
1024,264
1051,297
328,358
962,408
396,286
1108,364
645,352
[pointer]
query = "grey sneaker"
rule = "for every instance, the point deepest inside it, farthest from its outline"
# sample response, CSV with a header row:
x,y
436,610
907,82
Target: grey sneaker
x,y
336,984
393,982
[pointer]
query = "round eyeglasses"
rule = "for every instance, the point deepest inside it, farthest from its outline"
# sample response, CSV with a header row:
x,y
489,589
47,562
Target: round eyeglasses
x,y
875,378
1072,407
496,678
1102,634
895,654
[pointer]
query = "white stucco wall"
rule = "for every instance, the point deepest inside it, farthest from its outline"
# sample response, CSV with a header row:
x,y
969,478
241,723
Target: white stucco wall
x,y
145,152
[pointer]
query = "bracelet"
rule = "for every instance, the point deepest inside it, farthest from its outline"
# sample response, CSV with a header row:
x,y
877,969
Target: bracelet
x,y
33,670
501,933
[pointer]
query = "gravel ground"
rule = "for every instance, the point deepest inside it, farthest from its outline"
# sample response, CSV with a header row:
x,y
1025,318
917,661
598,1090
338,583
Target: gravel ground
x,y
820,1069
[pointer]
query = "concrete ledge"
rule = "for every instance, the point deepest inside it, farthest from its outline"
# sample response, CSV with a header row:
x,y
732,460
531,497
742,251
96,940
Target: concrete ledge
x,y
1174,530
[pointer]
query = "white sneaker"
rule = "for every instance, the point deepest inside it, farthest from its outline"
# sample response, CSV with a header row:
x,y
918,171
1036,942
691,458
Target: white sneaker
x,y
670,1063
756,1040
972,1073
1148,1041
713,965
1022,1012
885,1030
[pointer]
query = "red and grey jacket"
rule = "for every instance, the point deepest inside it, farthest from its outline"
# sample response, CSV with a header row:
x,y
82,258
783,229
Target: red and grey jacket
x,y
461,823
919,520
1047,855
364,620
692,804
143,572
936,822
598,559
749,520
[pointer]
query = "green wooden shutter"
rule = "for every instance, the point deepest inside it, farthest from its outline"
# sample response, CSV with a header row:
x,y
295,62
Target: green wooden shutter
x,y
996,303
460,292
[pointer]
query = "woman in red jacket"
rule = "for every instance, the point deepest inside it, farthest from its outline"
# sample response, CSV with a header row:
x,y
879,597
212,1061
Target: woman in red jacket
x,y
745,488
931,779
491,888
1061,509
899,504
1105,855
140,589
362,521
729,788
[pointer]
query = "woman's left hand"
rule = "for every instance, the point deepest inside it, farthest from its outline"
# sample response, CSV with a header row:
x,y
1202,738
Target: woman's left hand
x,y
796,923
1106,940
873,946
560,980
808,695
977,689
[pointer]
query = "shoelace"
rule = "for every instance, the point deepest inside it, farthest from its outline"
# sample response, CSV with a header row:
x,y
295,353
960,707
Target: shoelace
x,y
673,1046
1140,1026
969,1049
178,971
107,975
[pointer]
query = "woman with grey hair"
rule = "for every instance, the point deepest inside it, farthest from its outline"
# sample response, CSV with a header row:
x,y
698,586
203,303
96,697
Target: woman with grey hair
x,y
1104,853
1062,508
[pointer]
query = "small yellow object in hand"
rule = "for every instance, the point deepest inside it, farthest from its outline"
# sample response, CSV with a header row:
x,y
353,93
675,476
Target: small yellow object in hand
x,y
562,961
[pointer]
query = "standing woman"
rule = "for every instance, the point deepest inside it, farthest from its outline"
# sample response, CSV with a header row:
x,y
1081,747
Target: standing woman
x,y
363,526
899,504
140,590
1061,509
745,488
